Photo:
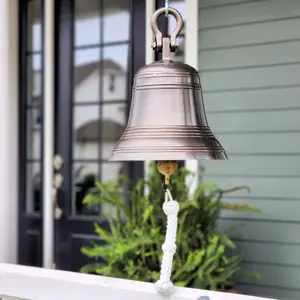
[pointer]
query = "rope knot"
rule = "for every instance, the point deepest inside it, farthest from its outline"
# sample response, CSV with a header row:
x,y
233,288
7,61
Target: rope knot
x,y
166,247
163,287
171,207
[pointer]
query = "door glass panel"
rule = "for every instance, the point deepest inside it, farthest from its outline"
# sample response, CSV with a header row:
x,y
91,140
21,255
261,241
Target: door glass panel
x,y
111,171
84,176
86,132
115,73
34,78
33,116
100,93
34,33
87,25
33,133
112,126
116,20
87,75
33,187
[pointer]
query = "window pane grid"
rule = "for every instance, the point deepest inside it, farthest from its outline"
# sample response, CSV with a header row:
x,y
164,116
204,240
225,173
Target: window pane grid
x,y
104,102
100,91
33,116
101,45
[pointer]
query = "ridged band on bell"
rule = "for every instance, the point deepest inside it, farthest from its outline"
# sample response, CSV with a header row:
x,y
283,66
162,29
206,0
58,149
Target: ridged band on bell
x,y
168,143
174,74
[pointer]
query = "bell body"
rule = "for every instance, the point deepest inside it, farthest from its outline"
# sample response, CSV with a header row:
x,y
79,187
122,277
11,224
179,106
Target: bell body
x,y
167,119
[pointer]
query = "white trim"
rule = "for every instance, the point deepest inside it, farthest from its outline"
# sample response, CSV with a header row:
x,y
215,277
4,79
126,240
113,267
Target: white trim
x,y
191,58
150,9
48,141
42,284
149,53
9,130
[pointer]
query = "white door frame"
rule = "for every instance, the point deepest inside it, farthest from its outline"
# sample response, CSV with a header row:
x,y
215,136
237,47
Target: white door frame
x,y
9,22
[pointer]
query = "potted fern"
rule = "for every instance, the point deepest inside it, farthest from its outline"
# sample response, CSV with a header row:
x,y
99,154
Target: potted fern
x,y
133,239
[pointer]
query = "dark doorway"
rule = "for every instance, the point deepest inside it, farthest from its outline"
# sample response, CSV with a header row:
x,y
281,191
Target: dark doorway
x,y
30,131
99,44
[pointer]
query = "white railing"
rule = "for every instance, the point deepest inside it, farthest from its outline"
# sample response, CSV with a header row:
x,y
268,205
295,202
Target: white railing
x,y
20,282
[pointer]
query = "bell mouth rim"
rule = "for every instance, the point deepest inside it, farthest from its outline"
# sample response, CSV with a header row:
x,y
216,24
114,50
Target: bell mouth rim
x,y
174,155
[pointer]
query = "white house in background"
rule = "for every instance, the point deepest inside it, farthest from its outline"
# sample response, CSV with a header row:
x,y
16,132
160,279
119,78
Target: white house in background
x,y
87,124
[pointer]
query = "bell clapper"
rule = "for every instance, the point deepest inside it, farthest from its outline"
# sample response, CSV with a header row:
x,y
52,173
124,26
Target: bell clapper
x,y
167,168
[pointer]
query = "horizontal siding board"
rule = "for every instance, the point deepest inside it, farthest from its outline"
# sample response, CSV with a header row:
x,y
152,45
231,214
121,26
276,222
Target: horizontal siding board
x,y
261,55
216,3
274,98
249,34
265,143
254,166
249,12
262,231
270,292
276,210
260,187
258,121
269,253
251,78
280,276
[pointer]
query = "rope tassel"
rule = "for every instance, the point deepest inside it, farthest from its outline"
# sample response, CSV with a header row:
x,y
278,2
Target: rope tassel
x,y
164,285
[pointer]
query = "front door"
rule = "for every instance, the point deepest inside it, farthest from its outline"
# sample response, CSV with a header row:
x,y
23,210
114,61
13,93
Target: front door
x,y
99,45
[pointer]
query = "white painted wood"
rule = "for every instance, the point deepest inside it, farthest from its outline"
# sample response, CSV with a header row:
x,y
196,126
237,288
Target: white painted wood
x,y
191,58
150,8
258,121
269,291
262,231
191,36
248,12
9,130
251,78
268,99
254,166
216,3
250,34
276,210
264,143
266,253
277,187
43,284
274,275
260,55
149,54
48,140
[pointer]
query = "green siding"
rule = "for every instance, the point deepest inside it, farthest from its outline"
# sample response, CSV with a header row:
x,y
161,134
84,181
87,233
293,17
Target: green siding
x,y
249,63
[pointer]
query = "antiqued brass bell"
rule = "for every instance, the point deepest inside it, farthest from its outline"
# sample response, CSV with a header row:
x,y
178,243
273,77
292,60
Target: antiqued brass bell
x,y
167,119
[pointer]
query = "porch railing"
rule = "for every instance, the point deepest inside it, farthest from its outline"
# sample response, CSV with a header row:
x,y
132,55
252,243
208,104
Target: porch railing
x,y
22,282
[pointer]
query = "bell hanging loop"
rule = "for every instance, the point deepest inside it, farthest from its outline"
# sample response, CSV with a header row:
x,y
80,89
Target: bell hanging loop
x,y
163,42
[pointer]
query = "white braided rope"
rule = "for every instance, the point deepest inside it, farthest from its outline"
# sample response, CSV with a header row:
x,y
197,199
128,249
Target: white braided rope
x,y
164,285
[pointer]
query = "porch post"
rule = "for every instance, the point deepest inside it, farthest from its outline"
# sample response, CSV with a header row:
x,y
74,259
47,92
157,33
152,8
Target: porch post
x,y
149,53
48,140
191,58
8,130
